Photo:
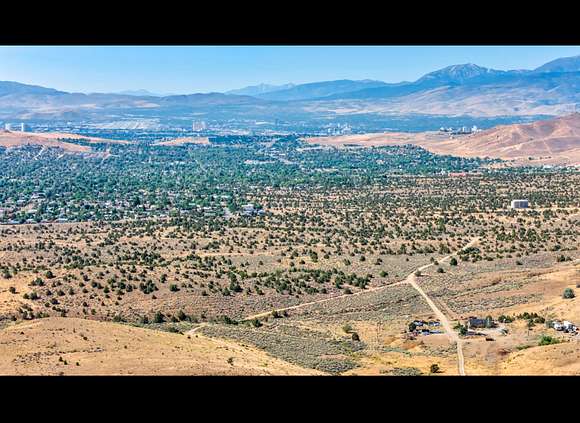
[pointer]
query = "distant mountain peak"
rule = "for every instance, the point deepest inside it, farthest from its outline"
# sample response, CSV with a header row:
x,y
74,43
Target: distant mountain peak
x,y
564,64
459,73
260,89
321,89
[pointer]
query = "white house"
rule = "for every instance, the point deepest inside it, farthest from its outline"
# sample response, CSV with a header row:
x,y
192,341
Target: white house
x,y
519,204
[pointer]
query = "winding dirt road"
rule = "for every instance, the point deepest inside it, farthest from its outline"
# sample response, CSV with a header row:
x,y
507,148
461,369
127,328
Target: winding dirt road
x,y
411,279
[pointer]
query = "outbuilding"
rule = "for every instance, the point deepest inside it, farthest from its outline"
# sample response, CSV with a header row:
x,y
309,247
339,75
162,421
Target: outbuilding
x,y
520,204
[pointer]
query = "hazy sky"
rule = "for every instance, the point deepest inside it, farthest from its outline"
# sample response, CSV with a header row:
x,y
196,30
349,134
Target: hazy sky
x,y
203,69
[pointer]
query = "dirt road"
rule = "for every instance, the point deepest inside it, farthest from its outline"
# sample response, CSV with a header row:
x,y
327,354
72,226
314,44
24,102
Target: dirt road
x,y
366,291
411,279
324,300
453,337
444,322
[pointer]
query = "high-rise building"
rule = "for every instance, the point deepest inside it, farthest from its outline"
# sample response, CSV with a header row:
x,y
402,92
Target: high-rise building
x,y
8,127
23,127
199,126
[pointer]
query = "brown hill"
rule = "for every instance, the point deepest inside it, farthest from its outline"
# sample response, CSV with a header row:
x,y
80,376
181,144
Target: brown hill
x,y
11,139
555,141
41,347
184,140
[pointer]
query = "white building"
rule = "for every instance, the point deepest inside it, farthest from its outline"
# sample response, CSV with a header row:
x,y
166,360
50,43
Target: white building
x,y
567,324
8,127
519,204
23,127
199,126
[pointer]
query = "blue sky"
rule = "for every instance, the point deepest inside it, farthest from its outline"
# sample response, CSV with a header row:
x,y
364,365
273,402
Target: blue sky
x,y
182,69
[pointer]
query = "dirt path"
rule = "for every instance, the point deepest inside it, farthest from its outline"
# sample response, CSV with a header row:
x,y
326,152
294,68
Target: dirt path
x,y
324,300
444,322
411,279
375,289
453,337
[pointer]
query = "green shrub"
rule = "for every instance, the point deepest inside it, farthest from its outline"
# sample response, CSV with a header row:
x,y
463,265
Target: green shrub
x,y
227,320
568,293
505,319
159,317
548,340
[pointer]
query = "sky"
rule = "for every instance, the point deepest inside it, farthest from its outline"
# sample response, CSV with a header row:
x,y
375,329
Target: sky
x,y
190,69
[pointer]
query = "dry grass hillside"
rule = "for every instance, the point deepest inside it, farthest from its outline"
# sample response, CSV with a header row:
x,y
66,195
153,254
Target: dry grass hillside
x,y
554,141
73,346
185,140
11,139
15,139
559,359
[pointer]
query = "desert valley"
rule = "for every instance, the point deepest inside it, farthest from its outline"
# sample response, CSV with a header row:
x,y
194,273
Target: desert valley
x,y
213,251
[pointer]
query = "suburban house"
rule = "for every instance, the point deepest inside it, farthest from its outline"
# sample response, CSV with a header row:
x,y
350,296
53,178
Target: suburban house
x,y
474,322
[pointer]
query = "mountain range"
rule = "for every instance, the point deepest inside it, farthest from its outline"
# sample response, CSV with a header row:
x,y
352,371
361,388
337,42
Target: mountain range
x,y
141,93
256,90
459,90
